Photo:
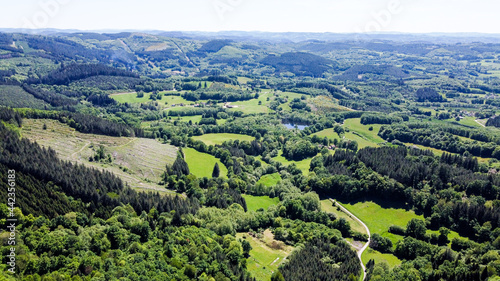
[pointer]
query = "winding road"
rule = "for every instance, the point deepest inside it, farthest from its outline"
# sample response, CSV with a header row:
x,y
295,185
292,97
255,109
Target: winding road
x,y
360,251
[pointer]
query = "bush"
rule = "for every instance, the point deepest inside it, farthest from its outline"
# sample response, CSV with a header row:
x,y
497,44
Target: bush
x,y
381,244
396,229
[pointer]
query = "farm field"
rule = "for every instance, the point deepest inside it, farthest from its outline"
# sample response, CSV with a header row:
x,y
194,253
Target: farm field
x,y
139,162
303,165
256,202
265,258
252,106
356,126
202,164
213,139
470,121
130,97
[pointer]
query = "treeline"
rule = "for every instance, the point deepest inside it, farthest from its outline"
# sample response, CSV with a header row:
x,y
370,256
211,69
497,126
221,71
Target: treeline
x,y
67,74
86,123
367,119
192,111
223,79
49,97
494,122
107,83
225,95
444,138
321,259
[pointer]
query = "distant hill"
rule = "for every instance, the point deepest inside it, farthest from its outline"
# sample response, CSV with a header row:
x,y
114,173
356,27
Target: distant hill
x,y
299,63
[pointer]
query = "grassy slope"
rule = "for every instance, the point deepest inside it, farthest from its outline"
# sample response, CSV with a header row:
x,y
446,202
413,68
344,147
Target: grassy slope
x,y
144,159
213,139
252,106
303,165
202,164
357,132
256,202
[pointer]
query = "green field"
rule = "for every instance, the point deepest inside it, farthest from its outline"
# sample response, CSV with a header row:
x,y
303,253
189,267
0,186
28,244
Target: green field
x,y
193,119
378,220
264,259
244,80
357,132
130,97
290,96
329,133
327,206
256,202
303,165
213,139
252,106
379,257
363,130
170,100
139,162
202,164
470,121
270,179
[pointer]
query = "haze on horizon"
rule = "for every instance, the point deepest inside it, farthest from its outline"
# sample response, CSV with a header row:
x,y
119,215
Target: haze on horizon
x,y
338,16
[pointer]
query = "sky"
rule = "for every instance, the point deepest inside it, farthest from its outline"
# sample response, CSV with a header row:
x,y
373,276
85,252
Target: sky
x,y
338,16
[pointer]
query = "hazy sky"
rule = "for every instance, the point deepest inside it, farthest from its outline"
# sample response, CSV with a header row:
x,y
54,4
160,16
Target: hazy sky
x,y
256,15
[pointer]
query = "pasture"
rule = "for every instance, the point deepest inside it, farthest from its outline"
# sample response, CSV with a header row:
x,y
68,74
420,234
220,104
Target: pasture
x,y
202,164
256,202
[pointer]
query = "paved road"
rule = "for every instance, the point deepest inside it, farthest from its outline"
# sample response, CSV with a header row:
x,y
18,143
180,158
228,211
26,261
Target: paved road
x,y
360,251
